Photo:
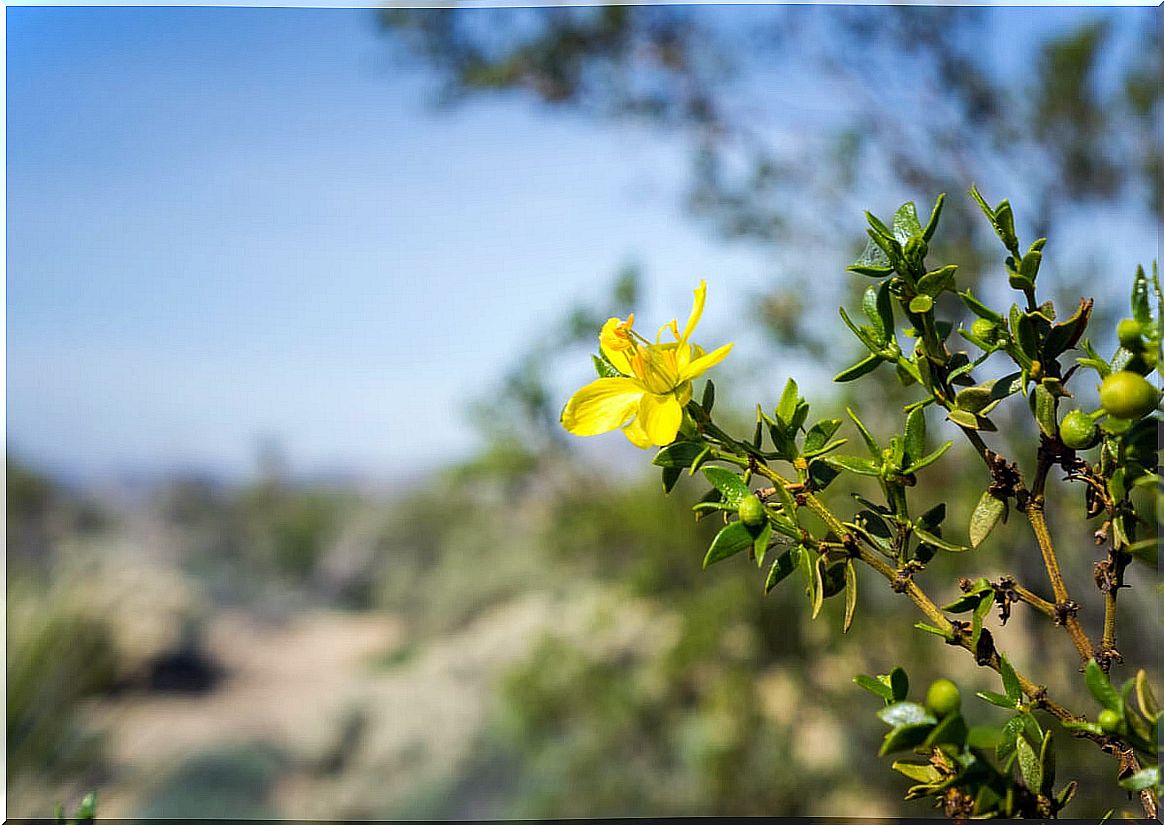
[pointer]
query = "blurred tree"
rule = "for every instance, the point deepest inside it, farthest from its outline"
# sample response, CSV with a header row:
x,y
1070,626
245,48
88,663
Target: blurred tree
x,y
915,103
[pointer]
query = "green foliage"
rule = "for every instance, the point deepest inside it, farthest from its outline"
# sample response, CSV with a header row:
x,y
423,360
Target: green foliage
x,y
1006,769
85,814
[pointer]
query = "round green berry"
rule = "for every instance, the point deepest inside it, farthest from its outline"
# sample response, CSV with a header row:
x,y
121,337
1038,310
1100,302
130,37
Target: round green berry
x,y
1078,430
1109,721
984,330
1126,394
751,511
1128,331
943,698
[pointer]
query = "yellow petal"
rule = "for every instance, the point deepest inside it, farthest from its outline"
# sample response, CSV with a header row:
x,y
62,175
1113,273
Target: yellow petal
x,y
601,406
696,310
705,362
616,347
636,435
660,417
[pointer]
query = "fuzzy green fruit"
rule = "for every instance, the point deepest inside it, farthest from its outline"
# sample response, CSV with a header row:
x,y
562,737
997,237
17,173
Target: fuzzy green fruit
x,y
1078,430
1128,331
1126,394
751,511
943,698
1109,721
984,330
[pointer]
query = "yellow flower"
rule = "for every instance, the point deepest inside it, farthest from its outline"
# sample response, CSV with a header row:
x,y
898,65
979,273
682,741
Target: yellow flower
x,y
646,400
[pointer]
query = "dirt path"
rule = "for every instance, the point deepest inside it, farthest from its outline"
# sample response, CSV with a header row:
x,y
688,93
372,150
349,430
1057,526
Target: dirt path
x,y
296,685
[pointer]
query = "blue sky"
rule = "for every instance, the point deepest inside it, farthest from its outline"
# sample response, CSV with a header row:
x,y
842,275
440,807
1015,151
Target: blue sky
x,y
232,224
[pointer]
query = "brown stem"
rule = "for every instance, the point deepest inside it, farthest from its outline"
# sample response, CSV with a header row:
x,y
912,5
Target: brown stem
x,y
1063,603
907,585
1037,602
1032,503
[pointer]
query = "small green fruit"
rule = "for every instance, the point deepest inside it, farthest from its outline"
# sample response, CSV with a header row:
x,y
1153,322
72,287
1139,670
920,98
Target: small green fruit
x,y
1126,394
1128,331
751,511
1109,721
943,698
984,330
1078,430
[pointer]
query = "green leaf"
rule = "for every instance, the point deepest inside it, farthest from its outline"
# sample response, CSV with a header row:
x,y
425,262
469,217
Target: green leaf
x,y
950,731
932,518
978,308
1066,794
1101,688
760,538
1066,335
1147,778
971,421
985,802
732,539
1029,765
818,586
604,368
875,686
780,570
850,595
1027,336
1044,408
937,281
1144,696
928,628
915,434
88,807
872,262
870,442
927,460
708,397
919,304
702,458
904,737
1047,765
871,304
820,433
935,215
905,223
878,229
670,478
906,713
679,455
926,774
1141,306
899,682
785,527
730,485
969,601
806,561
1010,682
786,407
1004,226
936,541
975,399
996,699
1011,731
986,515
863,367
983,737
853,464
864,334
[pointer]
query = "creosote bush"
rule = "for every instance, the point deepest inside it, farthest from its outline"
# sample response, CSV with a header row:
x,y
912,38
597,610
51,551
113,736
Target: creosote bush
x,y
766,489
